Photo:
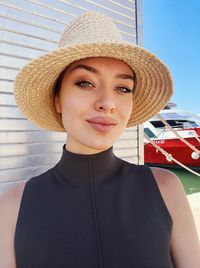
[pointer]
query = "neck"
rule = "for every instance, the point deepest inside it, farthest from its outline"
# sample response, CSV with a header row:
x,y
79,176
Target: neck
x,y
85,150
79,169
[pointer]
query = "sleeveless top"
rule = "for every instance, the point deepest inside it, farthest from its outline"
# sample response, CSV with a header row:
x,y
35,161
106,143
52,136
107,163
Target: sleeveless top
x,y
93,211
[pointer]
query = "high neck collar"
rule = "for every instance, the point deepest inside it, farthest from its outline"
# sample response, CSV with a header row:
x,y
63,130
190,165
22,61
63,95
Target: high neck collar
x,y
79,169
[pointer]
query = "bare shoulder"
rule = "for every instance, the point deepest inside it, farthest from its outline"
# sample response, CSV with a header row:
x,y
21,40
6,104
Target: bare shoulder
x,y
170,188
172,191
185,246
164,176
168,183
12,197
10,204
9,207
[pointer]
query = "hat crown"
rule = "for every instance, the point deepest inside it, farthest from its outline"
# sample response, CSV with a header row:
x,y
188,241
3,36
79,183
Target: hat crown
x,y
91,35
90,27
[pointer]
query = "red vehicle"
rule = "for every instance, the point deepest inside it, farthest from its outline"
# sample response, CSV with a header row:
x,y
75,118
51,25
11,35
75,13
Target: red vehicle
x,y
187,125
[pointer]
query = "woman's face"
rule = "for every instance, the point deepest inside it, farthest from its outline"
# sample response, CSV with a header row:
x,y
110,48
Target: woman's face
x,y
96,102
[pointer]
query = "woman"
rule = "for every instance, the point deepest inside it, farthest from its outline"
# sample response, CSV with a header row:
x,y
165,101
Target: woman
x,y
93,209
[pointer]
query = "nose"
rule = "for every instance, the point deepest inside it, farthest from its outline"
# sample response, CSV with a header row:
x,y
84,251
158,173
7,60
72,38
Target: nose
x,y
105,102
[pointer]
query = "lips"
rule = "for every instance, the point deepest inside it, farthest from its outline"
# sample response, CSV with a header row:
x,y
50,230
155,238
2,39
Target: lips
x,y
103,120
102,123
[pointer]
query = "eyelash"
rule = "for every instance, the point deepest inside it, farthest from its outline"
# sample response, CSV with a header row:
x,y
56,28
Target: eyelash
x,y
80,84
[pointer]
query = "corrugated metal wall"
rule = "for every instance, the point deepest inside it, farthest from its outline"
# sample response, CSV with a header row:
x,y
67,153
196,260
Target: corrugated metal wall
x,y
29,28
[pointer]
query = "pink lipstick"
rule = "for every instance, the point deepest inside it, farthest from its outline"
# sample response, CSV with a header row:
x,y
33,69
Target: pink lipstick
x,y
103,124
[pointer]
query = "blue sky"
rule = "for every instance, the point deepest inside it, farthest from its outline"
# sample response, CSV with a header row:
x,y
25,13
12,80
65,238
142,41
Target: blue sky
x,y
171,30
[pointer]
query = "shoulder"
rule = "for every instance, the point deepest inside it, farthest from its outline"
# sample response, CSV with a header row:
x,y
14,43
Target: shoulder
x,y
185,245
171,190
13,193
9,208
167,180
10,200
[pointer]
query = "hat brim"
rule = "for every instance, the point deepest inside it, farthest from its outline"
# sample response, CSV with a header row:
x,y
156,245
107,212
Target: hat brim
x,y
34,83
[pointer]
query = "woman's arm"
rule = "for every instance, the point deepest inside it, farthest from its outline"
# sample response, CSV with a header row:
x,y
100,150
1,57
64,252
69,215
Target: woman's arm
x,y
185,244
9,208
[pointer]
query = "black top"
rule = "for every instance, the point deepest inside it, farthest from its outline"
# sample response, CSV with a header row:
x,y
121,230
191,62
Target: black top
x,y
93,211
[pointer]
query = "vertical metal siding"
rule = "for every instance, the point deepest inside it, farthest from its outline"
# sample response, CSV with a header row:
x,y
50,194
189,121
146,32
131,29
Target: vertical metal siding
x,y
28,29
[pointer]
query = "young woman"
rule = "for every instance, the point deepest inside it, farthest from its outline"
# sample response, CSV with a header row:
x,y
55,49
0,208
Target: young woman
x,y
93,209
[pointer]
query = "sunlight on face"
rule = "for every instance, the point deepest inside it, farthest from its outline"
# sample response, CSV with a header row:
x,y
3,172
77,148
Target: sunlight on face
x,y
96,102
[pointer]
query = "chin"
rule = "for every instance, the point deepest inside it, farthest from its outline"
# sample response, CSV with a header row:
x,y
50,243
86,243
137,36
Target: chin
x,y
100,146
103,143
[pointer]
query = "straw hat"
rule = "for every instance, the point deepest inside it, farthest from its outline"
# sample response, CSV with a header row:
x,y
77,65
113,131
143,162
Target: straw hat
x,y
91,35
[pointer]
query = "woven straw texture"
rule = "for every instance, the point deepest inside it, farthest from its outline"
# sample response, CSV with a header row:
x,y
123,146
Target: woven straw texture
x,y
91,35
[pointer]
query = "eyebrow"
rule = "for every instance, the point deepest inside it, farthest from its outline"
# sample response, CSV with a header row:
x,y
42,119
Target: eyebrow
x,y
93,70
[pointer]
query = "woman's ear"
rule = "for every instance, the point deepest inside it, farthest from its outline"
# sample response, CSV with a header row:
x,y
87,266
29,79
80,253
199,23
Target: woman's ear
x,y
57,104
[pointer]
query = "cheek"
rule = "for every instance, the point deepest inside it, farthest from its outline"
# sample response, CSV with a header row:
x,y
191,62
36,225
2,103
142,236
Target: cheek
x,y
131,107
73,108
69,103
67,108
127,108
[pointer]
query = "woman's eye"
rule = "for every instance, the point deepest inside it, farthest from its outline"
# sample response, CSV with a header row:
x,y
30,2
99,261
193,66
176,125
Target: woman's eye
x,y
83,84
124,90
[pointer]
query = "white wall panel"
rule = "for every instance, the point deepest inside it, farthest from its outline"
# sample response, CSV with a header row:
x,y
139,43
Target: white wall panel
x,y
28,29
